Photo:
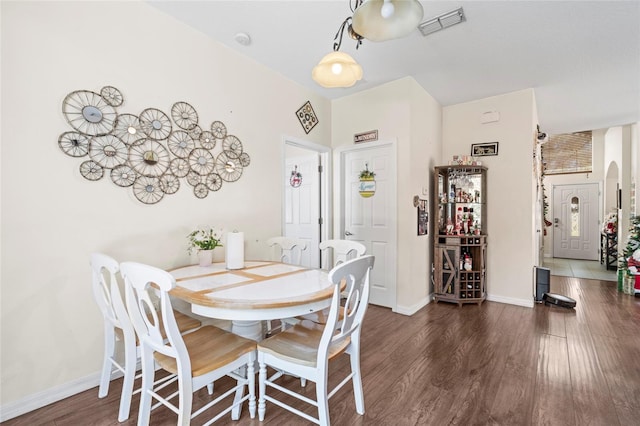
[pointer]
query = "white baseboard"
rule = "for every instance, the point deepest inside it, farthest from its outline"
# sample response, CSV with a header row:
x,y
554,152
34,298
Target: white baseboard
x,y
49,396
511,301
410,310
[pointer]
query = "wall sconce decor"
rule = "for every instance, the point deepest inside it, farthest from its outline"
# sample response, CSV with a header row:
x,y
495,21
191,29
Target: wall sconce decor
x,y
367,186
296,178
307,117
145,151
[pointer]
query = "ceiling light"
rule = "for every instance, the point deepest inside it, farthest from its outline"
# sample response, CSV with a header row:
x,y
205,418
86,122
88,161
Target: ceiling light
x,y
442,21
381,20
243,39
339,69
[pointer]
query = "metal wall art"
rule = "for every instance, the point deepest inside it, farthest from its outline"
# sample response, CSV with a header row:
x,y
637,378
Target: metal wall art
x,y
150,152
307,117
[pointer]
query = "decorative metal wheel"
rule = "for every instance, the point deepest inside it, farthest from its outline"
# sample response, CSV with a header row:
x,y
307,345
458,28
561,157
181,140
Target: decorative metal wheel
x,y
74,144
214,181
169,183
201,161
184,115
147,189
112,95
181,144
123,175
91,170
195,133
232,146
108,151
201,190
179,167
155,124
228,168
193,178
149,158
89,113
245,160
128,129
207,140
218,129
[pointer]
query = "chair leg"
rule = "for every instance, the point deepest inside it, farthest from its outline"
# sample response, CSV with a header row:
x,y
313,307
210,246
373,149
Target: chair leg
x,y
109,349
358,393
323,402
210,388
237,408
262,377
148,371
185,397
130,358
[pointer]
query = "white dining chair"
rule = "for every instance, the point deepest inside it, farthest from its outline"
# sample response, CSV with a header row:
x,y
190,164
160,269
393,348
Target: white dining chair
x,y
118,328
342,250
289,250
305,349
196,359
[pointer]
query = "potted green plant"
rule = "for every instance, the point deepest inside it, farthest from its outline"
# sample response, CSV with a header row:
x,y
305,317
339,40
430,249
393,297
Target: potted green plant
x,y
204,241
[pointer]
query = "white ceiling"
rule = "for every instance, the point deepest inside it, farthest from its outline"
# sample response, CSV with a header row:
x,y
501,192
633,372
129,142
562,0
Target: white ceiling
x,y
582,58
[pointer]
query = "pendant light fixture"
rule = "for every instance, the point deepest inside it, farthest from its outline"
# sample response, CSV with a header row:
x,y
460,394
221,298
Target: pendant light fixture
x,y
381,20
339,69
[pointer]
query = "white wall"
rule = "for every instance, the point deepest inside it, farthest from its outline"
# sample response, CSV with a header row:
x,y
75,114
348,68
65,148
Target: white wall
x,y
618,150
52,218
510,198
401,110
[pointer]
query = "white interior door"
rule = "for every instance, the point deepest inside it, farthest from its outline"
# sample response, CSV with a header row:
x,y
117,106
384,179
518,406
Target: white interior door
x,y
372,220
302,204
575,221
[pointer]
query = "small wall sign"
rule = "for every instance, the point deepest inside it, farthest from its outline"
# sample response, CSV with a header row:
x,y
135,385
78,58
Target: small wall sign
x,y
369,136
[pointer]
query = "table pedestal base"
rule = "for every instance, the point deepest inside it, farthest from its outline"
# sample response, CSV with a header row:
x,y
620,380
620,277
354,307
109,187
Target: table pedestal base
x,y
253,330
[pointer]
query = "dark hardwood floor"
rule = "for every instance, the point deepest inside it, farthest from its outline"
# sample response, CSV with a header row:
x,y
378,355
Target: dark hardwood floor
x,y
493,364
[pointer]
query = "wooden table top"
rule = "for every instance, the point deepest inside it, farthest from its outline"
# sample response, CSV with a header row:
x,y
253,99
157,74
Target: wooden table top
x,y
259,285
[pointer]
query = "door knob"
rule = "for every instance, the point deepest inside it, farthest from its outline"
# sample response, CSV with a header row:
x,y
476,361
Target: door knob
x,y
347,234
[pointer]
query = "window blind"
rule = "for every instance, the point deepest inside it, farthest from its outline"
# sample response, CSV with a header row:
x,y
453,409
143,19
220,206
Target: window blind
x,y
568,153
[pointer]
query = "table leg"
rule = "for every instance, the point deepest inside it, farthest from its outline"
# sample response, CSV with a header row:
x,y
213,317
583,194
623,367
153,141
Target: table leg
x,y
250,329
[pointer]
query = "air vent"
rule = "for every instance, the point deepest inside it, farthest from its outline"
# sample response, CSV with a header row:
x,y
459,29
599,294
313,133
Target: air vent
x,y
442,21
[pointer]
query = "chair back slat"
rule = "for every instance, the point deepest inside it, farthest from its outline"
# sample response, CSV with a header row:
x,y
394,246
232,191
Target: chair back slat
x,y
289,249
355,273
152,320
343,250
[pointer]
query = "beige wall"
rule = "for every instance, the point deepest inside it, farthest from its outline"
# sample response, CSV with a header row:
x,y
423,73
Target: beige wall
x,y
52,218
403,112
510,251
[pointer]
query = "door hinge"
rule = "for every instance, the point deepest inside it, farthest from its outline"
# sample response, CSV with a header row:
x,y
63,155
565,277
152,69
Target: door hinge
x,y
320,168
320,221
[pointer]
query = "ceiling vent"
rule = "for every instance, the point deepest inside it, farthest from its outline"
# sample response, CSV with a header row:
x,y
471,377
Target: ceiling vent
x,y
442,21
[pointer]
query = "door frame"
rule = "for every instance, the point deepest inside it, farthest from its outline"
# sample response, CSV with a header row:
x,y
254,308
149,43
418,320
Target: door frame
x,y
325,181
339,155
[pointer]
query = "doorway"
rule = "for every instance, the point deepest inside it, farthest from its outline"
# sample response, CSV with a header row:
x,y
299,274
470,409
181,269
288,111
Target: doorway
x,y
371,219
306,169
575,221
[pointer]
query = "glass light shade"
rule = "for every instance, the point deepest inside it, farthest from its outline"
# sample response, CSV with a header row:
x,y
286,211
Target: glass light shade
x,y
337,69
369,22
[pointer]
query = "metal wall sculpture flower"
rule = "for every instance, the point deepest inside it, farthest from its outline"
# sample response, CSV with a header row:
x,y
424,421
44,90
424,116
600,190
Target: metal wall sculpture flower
x,y
149,152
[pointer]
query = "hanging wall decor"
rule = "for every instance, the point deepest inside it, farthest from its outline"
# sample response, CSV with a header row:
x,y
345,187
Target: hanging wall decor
x,y
149,152
307,117
367,186
296,178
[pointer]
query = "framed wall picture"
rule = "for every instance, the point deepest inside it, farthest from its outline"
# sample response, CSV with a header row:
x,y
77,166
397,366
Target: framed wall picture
x,y
484,149
423,217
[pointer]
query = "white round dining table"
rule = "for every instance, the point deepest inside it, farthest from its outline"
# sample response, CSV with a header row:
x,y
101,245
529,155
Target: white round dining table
x,y
260,291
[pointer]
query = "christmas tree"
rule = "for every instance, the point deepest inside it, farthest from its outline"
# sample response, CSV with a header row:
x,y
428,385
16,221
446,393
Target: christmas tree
x,y
633,242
